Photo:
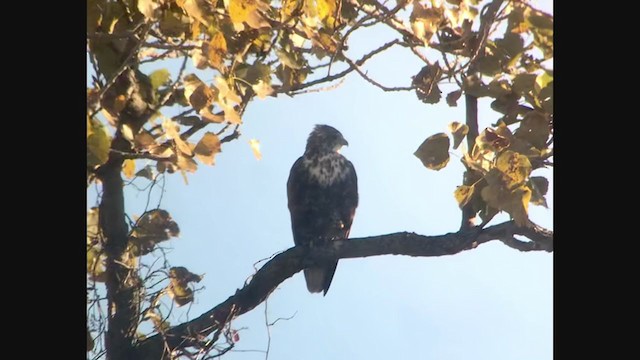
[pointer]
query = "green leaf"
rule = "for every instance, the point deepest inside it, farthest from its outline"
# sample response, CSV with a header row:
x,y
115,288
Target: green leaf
x,y
158,78
434,151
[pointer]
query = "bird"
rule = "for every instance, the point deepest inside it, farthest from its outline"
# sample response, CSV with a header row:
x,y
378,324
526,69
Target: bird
x,y
322,194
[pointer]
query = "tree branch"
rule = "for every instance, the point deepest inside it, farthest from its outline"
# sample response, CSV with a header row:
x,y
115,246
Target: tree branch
x,y
293,260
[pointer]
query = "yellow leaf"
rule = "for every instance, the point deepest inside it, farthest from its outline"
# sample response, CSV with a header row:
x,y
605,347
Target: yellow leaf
x,y
247,11
515,166
207,148
434,151
172,131
143,140
326,8
458,131
463,194
217,49
197,92
186,163
194,10
98,143
255,147
207,115
290,8
129,168
262,89
519,205
148,8
225,92
230,114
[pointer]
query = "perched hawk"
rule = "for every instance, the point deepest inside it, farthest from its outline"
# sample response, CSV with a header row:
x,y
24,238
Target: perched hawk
x,y
323,195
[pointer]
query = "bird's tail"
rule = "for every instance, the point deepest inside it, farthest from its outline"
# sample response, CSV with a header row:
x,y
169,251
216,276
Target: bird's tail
x,y
319,278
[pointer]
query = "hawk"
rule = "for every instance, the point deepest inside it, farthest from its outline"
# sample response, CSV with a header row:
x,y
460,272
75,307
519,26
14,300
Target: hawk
x,y
322,193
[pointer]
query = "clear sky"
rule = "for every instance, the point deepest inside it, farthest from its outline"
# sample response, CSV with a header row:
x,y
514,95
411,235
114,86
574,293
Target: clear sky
x,y
492,302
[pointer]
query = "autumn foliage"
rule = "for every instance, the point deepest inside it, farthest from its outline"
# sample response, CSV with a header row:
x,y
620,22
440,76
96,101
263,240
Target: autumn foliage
x,y
254,49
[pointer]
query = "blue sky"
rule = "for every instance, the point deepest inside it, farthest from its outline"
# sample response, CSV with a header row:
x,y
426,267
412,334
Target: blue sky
x,y
492,302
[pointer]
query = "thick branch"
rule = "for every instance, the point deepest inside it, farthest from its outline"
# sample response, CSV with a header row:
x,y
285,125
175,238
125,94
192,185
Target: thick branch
x,y
288,263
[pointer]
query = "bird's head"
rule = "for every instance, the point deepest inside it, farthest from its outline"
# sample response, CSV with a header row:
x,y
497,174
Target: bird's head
x,y
325,138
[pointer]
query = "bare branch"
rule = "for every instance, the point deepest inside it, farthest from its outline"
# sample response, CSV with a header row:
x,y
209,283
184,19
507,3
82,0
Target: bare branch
x,y
288,263
373,82
343,73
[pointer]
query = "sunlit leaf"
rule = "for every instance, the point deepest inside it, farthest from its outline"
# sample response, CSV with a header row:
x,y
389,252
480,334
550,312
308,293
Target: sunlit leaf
x,y
458,131
129,168
197,92
262,89
172,131
434,151
216,50
194,10
519,205
255,147
159,77
515,166
98,143
463,194
207,148
148,8
208,116
186,163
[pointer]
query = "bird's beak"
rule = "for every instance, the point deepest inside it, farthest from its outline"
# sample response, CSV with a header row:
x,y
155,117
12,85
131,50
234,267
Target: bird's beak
x,y
345,142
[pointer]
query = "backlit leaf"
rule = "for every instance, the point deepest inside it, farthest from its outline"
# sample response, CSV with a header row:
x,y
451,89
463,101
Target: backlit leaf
x,y
539,187
534,128
519,205
129,168
458,131
148,8
515,166
434,151
217,49
262,89
158,78
452,97
153,227
98,143
179,289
